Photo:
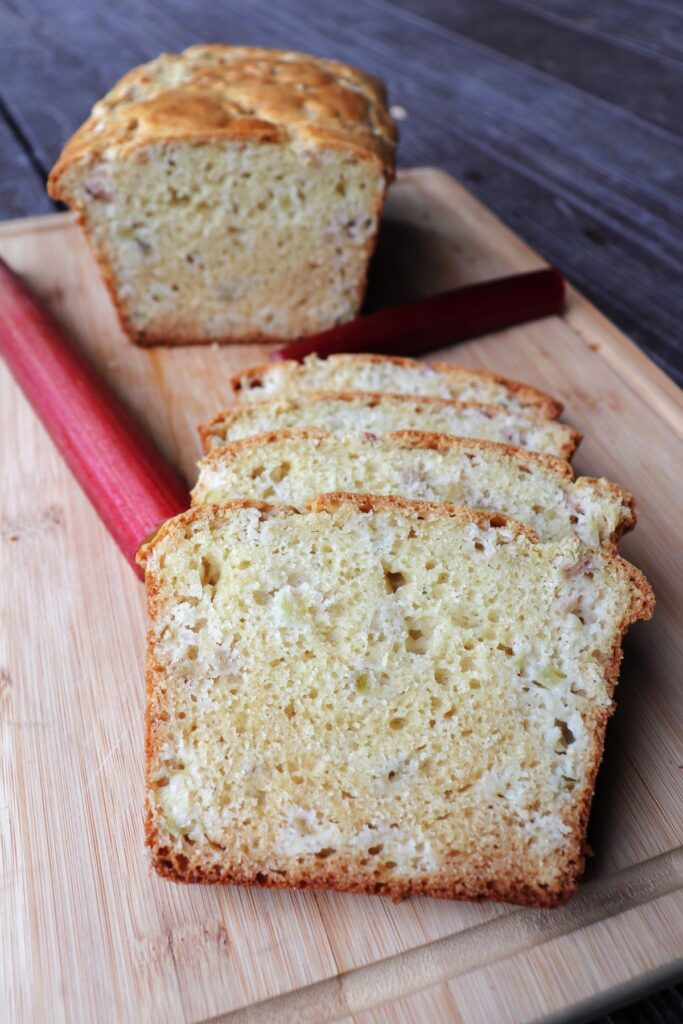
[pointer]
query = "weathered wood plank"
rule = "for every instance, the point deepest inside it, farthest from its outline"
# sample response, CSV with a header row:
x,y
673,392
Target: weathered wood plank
x,y
59,75
22,191
533,36
643,25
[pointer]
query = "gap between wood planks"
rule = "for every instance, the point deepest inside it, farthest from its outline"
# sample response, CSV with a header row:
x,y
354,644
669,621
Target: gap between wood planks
x,y
22,141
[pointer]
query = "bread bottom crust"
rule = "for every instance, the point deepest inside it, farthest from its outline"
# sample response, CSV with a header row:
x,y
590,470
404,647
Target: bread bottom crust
x,y
438,887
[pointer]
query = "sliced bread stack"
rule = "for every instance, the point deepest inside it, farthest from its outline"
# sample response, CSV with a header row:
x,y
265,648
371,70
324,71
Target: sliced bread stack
x,y
384,641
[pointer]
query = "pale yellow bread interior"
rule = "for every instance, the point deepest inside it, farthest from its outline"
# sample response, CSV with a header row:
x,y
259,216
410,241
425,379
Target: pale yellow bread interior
x,y
393,374
294,466
378,695
232,193
378,413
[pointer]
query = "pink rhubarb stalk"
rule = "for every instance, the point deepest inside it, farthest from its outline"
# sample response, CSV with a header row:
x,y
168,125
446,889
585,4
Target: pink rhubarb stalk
x,y
419,327
132,488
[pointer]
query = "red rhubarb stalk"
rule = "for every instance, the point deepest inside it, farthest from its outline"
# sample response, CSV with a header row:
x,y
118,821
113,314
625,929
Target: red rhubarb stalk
x,y
428,324
132,488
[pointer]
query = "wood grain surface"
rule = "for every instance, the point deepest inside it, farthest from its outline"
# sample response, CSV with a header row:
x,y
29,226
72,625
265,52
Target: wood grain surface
x,y
91,929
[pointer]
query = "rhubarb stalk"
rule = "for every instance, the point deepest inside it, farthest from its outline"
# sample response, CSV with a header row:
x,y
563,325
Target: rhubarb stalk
x,y
418,327
131,486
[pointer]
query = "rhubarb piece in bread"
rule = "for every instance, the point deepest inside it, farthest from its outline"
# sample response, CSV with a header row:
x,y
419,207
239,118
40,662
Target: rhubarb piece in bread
x,y
341,412
392,374
232,194
378,695
293,466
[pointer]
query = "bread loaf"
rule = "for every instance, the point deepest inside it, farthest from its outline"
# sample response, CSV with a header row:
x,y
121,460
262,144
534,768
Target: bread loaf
x,y
378,695
232,193
293,466
341,412
392,374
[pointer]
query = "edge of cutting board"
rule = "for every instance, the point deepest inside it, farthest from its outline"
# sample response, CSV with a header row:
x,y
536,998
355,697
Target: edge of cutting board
x,y
628,892
480,946
637,370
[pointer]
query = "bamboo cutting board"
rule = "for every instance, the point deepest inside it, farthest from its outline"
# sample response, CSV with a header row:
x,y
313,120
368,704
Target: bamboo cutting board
x,y
87,933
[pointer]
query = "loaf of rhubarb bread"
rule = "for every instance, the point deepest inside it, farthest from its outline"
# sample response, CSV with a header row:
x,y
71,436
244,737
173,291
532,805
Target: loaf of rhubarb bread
x,y
378,695
232,193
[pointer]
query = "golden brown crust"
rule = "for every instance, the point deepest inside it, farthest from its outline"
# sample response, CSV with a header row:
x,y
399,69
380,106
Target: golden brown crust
x,y
177,866
328,503
240,93
529,396
420,509
438,886
233,449
208,512
641,608
443,443
447,442
370,399
629,519
426,439
532,398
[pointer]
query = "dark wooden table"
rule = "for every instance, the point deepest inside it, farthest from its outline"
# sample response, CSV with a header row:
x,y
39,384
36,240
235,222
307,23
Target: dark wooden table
x,y
564,116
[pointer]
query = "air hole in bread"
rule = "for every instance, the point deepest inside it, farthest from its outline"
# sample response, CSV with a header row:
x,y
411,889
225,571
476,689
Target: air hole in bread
x,y
210,572
394,580
415,642
567,736
279,472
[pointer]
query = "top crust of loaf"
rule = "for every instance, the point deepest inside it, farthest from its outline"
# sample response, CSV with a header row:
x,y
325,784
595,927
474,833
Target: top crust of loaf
x,y
328,503
527,396
643,601
214,431
241,94
219,458
407,439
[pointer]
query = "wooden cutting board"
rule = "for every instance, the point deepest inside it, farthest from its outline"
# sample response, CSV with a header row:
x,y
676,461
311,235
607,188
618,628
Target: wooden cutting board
x,y
87,933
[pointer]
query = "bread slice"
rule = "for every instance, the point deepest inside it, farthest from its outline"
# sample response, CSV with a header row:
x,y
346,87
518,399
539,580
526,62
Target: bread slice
x,y
392,374
232,193
378,695
341,412
293,466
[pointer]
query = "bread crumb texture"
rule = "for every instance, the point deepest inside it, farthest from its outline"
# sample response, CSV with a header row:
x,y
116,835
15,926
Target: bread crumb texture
x,y
393,374
232,193
378,413
378,695
293,466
